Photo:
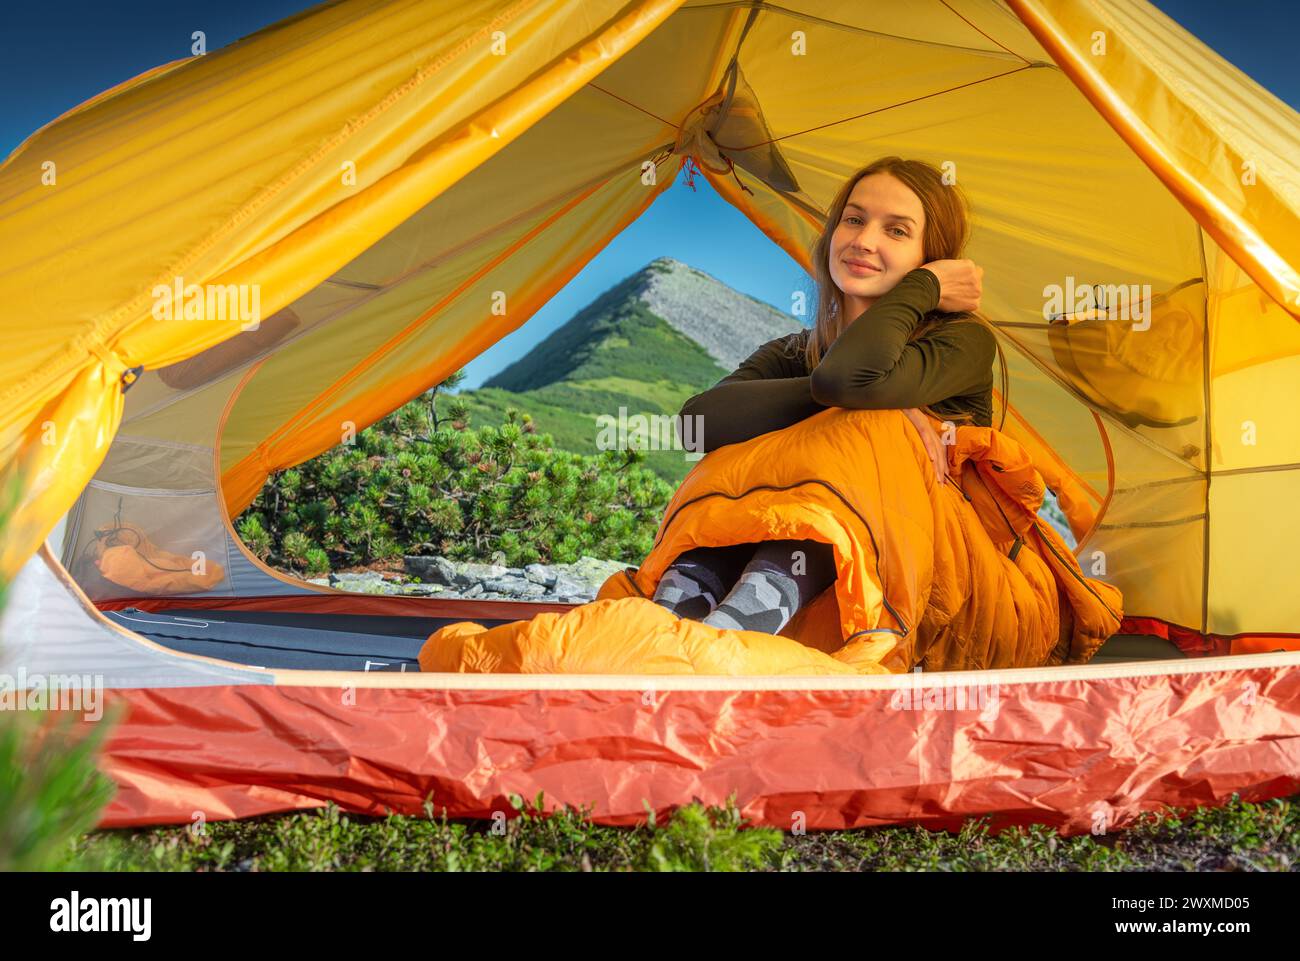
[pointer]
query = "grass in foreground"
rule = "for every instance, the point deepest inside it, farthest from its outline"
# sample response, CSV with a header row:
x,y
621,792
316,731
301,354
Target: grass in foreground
x,y
1238,837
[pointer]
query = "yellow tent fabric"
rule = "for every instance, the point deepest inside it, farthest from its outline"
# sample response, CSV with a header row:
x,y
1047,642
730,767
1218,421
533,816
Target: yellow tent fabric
x,y
414,181
230,169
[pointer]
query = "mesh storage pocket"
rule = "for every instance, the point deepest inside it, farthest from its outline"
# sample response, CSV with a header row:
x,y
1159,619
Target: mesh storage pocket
x,y
129,540
137,542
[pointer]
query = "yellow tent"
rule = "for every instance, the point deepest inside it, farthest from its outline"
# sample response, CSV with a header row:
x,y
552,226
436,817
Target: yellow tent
x,y
400,184
385,168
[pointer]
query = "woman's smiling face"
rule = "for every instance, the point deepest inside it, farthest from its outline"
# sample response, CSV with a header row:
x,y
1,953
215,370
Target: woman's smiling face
x,y
877,241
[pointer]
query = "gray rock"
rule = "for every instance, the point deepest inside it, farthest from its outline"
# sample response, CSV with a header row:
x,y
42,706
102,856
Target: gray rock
x,y
514,587
505,583
431,570
575,583
370,582
423,590
566,585
540,574
592,571
471,573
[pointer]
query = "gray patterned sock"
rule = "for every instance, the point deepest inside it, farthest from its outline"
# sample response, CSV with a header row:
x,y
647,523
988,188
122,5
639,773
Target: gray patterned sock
x,y
686,592
764,599
768,593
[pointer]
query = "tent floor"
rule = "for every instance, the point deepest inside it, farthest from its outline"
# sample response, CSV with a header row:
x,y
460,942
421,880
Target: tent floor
x,y
291,641
1136,647
365,642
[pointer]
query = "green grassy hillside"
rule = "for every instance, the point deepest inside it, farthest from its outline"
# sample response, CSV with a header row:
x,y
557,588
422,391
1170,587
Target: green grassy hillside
x,y
569,413
614,354
616,336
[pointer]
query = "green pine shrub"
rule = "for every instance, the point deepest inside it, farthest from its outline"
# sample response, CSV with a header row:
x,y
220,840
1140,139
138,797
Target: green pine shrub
x,y
418,483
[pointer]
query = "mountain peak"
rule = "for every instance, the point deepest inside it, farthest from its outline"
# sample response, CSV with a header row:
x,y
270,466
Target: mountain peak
x,y
693,310
728,324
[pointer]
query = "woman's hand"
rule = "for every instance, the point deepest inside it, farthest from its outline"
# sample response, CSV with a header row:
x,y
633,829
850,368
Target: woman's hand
x,y
961,283
930,438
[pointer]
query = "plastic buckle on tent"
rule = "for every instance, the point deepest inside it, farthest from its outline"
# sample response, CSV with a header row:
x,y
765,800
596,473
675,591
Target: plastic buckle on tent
x,y
110,360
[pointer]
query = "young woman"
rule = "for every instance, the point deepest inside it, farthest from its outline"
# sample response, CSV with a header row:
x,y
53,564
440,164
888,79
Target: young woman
x,y
896,327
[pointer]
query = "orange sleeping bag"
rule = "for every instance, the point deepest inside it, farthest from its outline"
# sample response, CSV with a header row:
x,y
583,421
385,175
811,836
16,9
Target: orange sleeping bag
x,y
962,576
125,556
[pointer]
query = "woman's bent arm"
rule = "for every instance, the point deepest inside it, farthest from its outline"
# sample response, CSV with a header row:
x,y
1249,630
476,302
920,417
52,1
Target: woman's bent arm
x,y
872,365
735,411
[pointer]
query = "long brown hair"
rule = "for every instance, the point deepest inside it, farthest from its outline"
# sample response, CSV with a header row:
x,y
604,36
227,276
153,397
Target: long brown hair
x,y
947,229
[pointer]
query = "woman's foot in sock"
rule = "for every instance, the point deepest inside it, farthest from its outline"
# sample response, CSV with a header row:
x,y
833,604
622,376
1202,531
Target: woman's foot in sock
x,y
684,595
764,599
782,577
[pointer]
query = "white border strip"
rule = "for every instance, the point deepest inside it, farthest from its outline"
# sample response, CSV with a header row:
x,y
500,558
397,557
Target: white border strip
x,y
866,682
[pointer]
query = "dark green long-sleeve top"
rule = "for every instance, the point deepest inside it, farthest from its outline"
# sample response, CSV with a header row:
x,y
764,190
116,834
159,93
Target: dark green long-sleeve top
x,y
870,366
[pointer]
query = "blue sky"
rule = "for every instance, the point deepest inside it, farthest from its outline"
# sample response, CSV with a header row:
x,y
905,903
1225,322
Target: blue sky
x,y
53,58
